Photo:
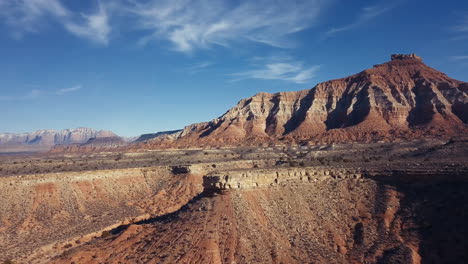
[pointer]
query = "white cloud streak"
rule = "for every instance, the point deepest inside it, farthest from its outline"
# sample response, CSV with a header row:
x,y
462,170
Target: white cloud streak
x,y
28,16
200,66
367,14
191,25
35,93
290,71
94,27
459,58
69,90
187,24
30,95
463,27
461,30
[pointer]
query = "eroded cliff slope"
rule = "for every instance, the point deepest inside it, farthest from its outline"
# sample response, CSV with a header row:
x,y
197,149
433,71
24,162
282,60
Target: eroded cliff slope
x,y
400,99
321,219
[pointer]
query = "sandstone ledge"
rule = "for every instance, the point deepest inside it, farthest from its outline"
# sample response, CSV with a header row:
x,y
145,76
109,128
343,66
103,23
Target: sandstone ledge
x,y
242,179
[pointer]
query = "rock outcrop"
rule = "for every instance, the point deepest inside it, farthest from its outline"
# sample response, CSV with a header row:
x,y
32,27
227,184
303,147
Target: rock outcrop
x,y
245,179
162,134
399,99
405,56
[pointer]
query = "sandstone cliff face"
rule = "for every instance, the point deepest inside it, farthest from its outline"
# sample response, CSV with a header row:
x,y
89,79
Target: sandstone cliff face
x,y
400,99
52,137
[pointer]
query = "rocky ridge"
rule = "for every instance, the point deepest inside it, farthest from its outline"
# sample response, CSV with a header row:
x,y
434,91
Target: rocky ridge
x,y
397,100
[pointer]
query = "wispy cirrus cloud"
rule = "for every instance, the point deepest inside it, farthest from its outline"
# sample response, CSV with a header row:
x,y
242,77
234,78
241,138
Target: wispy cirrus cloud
x,y
29,16
94,27
36,93
29,95
291,71
188,25
460,31
459,57
69,90
200,66
191,25
26,16
463,26
367,14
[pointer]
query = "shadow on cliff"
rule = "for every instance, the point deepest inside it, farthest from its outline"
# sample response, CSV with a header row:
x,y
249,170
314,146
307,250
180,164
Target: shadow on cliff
x,y
170,216
433,214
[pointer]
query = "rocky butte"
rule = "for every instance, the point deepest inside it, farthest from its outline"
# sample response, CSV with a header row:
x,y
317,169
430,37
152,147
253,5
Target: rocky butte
x,y
398,100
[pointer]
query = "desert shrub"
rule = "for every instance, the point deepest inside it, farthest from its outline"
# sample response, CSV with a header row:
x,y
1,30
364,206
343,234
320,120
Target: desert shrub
x,y
106,234
119,157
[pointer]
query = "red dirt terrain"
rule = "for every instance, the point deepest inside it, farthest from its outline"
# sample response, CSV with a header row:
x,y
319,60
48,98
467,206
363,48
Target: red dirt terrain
x,y
378,220
339,203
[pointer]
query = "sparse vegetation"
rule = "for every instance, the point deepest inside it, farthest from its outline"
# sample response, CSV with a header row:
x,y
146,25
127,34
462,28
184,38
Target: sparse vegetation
x,y
67,246
106,234
119,157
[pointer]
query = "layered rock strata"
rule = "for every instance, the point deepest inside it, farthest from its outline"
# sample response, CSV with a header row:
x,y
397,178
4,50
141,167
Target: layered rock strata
x,y
400,99
245,179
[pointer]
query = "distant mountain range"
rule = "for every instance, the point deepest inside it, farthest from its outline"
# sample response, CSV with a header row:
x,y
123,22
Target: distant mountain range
x,y
52,137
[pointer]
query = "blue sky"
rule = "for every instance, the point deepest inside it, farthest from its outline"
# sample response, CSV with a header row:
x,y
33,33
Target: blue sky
x,y
137,67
